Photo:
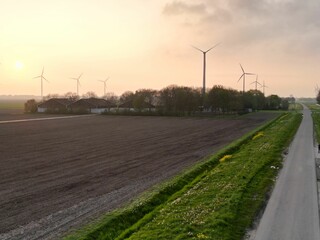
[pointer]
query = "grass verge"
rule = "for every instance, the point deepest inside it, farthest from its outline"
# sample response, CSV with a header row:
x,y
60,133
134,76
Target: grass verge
x,y
316,119
217,199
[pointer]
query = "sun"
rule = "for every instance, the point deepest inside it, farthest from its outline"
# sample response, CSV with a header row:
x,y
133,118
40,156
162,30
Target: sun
x,y
19,65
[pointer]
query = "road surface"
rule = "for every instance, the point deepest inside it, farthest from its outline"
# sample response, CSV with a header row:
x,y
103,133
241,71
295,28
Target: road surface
x,y
292,212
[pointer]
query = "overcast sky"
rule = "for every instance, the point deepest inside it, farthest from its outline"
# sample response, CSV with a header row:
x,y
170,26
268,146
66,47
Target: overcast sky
x,y
147,44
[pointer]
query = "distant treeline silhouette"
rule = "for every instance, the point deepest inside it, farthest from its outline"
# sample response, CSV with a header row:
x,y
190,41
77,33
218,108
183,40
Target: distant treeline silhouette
x,y
180,100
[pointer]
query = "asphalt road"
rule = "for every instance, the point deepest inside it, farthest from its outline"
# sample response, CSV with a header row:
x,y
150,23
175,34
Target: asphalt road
x,y
292,212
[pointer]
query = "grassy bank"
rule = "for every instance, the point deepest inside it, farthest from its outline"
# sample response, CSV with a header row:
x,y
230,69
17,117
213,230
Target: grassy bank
x,y
316,119
217,199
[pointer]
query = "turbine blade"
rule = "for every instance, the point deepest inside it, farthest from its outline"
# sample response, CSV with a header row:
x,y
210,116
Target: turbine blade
x,y
240,77
241,68
80,76
36,77
213,47
197,49
45,79
42,71
250,74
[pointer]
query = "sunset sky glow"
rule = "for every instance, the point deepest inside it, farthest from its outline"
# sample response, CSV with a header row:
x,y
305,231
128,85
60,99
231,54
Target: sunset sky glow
x,y
147,44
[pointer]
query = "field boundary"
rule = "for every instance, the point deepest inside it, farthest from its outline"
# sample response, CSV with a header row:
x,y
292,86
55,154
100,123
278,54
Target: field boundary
x,y
119,221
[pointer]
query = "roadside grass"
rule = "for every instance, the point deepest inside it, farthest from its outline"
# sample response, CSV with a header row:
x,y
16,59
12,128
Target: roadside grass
x,y
295,106
216,199
223,201
316,119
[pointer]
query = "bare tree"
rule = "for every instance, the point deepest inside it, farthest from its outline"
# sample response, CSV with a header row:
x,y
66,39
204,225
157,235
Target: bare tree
x,y
90,94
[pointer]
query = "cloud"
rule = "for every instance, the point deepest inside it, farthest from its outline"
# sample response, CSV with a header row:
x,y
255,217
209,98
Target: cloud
x,y
178,8
289,25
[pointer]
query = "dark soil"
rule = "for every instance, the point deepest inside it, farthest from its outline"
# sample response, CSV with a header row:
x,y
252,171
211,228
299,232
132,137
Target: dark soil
x,y
50,167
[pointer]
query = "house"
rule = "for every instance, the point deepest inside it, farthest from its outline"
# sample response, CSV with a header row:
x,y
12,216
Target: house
x,y
91,105
139,106
54,105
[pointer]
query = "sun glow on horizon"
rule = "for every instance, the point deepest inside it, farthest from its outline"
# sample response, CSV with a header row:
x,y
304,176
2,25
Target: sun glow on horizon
x,y
19,65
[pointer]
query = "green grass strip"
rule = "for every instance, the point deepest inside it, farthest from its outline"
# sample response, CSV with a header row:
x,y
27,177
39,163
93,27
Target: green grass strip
x,y
316,120
138,215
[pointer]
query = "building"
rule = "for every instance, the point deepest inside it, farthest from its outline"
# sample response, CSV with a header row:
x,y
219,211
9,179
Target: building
x,y
55,105
91,105
142,106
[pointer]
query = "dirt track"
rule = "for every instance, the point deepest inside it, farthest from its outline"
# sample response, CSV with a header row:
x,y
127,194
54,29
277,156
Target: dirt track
x,y
59,173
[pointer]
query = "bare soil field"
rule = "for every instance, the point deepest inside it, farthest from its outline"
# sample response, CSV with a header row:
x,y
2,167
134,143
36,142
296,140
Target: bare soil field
x,y
60,173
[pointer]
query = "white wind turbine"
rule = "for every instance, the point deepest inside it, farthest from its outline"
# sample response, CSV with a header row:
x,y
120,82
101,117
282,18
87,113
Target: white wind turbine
x,y
256,82
243,76
104,85
78,83
204,66
41,77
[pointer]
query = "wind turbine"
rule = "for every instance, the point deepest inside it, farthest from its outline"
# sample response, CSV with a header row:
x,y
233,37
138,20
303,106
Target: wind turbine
x,y
316,89
256,82
104,85
41,77
204,66
243,76
78,83
263,87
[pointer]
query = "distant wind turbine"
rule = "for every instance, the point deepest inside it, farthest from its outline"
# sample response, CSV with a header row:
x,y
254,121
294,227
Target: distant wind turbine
x,y
204,66
263,87
104,85
256,82
316,89
243,76
78,83
41,77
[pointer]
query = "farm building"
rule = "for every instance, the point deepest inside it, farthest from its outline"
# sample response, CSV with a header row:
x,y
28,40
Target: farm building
x,y
141,106
92,105
55,105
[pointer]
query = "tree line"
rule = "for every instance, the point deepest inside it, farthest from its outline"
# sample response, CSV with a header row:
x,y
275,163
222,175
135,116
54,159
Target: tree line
x,y
181,100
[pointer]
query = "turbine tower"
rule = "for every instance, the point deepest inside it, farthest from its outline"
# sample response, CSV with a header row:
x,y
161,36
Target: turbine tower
x,y
204,66
41,77
104,85
78,83
256,82
263,87
243,76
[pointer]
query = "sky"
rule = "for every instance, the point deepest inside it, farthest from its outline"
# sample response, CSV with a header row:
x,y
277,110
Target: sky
x,y
148,44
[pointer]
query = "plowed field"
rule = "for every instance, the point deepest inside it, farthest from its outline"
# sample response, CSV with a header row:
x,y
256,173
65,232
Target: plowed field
x,y
59,173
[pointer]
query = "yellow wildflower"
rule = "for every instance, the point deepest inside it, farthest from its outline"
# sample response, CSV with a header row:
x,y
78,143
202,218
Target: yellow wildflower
x,y
259,134
225,157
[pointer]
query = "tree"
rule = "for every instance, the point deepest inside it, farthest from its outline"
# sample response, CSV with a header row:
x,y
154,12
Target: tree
x,y
221,99
254,99
31,106
112,98
49,96
273,102
318,97
90,94
126,97
71,96
177,99
284,104
144,98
